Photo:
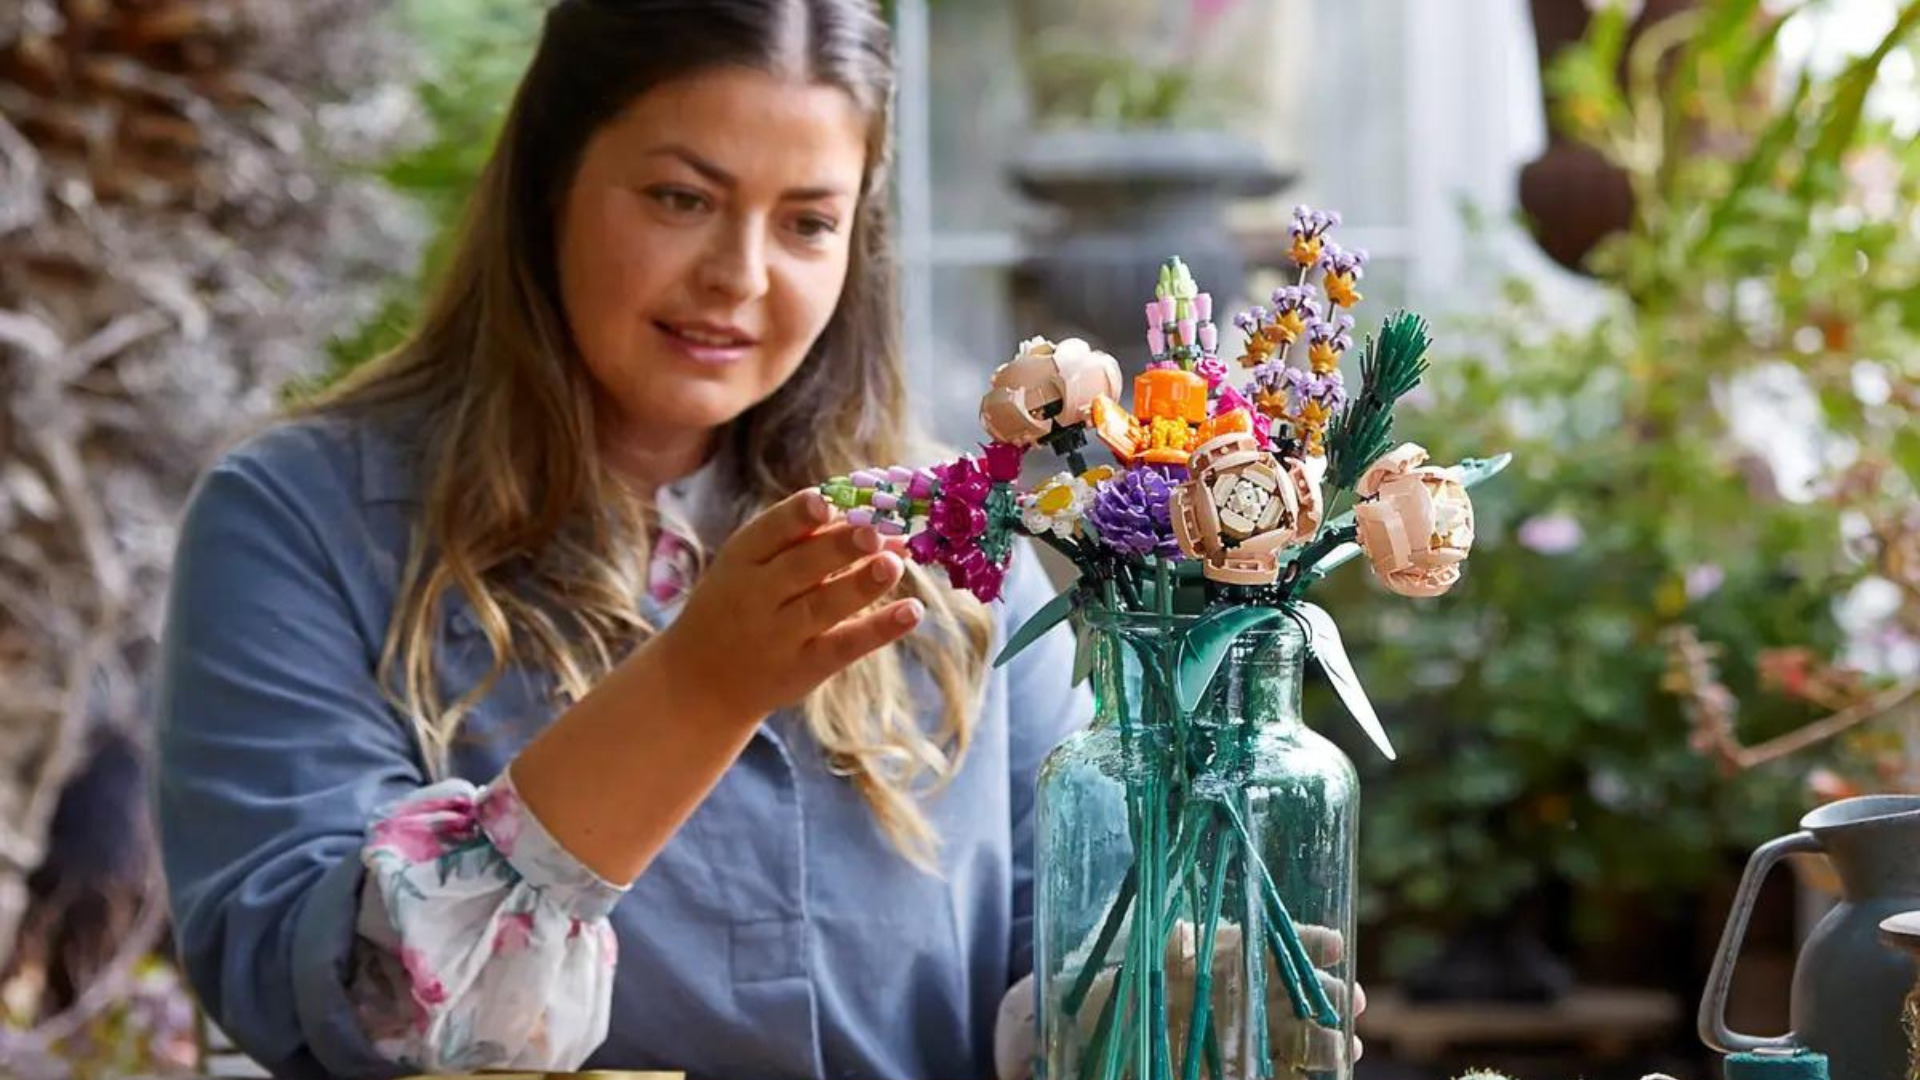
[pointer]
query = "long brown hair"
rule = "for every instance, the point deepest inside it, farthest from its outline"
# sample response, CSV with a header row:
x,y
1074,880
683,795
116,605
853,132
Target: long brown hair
x,y
519,513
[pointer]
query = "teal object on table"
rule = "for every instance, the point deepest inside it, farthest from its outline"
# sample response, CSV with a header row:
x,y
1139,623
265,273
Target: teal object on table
x,y
1775,1065
1849,989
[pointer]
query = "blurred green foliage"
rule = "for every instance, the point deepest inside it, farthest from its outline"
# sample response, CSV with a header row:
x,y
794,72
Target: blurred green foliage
x,y
1538,744
1134,64
471,55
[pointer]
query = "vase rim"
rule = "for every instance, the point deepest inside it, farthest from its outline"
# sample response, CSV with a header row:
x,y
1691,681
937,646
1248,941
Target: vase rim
x,y
1148,624
1097,613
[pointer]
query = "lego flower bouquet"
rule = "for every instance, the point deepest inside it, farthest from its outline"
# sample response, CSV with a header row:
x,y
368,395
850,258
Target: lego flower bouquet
x,y
1195,846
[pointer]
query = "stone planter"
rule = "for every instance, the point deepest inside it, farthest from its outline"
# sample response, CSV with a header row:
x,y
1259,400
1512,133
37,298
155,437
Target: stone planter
x,y
1123,201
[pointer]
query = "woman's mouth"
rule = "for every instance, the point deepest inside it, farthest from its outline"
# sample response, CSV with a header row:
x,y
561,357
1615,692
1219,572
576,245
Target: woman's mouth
x,y
706,343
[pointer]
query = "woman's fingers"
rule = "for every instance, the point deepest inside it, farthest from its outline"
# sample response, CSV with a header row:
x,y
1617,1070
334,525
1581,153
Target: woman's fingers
x,y
823,607
1322,1050
1323,944
779,527
856,637
805,565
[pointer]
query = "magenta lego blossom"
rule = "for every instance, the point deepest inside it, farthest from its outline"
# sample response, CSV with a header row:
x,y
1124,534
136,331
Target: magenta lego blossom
x,y
1231,400
970,519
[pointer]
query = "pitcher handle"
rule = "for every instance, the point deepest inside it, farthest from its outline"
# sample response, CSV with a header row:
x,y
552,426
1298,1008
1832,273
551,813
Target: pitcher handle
x,y
1713,1004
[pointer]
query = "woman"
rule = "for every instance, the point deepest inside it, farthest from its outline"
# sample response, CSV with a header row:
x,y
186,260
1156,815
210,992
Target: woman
x,y
470,759
439,736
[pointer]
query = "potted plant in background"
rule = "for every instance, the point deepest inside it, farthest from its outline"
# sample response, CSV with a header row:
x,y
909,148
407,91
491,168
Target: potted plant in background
x,y
1133,146
1712,452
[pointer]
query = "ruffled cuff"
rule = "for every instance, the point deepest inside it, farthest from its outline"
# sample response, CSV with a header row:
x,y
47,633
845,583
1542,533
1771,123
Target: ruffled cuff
x,y
487,944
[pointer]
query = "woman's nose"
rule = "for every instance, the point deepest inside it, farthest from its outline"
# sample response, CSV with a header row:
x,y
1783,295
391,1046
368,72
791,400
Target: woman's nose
x,y
735,267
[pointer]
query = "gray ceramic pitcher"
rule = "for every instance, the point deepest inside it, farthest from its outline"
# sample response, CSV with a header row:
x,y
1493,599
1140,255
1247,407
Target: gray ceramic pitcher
x,y
1848,988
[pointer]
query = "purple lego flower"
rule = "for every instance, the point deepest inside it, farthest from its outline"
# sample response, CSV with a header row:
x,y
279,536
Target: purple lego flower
x,y
1311,224
1328,390
1348,264
1296,298
1132,513
1335,333
1275,377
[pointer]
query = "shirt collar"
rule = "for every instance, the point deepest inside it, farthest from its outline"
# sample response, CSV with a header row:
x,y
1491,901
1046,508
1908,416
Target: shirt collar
x,y
696,505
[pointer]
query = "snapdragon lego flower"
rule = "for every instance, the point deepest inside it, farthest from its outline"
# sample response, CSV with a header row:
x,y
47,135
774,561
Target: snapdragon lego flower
x,y
888,499
1180,326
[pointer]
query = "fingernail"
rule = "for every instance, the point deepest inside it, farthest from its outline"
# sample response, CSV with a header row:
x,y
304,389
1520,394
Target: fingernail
x,y
867,539
911,612
885,567
816,506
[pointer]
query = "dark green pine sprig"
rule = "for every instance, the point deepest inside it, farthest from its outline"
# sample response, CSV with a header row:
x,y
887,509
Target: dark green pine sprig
x,y
1389,367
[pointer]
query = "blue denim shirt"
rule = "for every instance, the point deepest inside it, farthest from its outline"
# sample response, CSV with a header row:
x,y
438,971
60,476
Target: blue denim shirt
x,y
779,934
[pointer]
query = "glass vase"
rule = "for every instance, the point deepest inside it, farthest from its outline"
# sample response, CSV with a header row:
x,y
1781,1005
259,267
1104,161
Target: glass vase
x,y
1195,869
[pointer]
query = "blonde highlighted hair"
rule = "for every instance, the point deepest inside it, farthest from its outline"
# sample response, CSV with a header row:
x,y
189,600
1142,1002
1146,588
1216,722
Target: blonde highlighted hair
x,y
519,514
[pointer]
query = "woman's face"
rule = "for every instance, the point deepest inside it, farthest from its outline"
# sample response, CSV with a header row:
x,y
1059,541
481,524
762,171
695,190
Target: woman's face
x,y
703,244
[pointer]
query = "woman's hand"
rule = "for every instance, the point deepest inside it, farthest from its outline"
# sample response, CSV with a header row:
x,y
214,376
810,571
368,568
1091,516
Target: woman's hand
x,y
1298,1045
788,601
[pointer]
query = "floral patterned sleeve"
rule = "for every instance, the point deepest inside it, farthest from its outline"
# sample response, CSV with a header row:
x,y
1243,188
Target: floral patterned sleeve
x,y
482,943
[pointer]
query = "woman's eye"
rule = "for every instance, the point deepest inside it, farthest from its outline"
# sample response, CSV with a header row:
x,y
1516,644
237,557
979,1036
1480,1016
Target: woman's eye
x,y
678,200
815,227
